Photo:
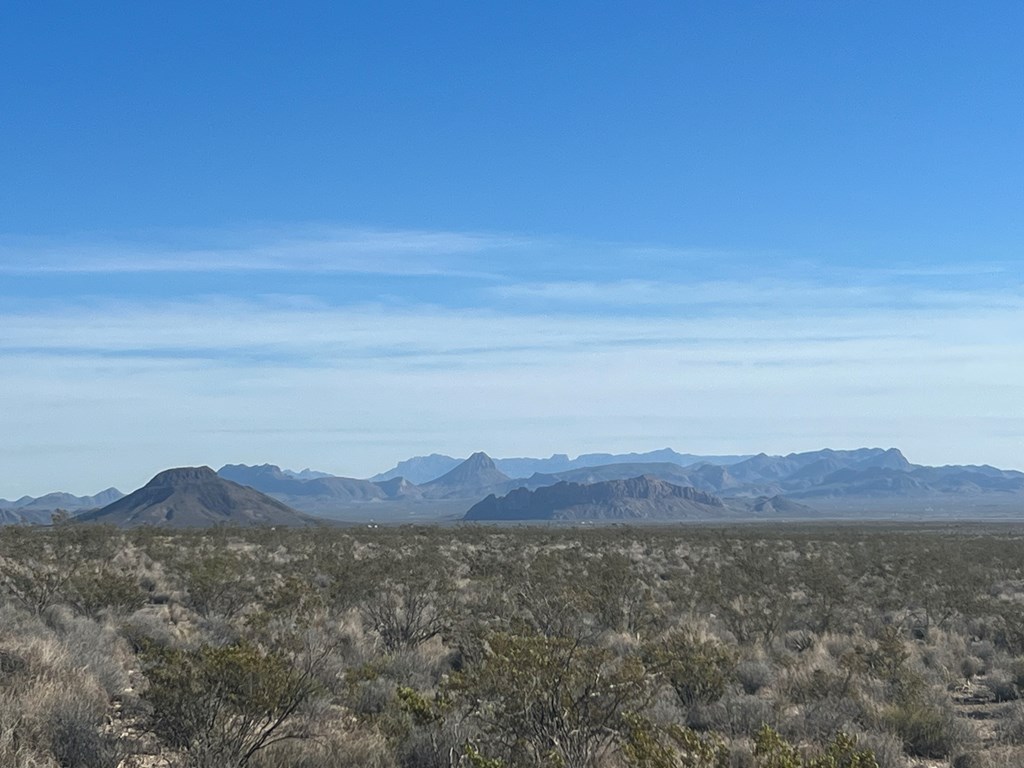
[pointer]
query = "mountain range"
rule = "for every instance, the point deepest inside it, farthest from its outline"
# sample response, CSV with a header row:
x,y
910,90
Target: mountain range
x,y
66,501
826,483
864,482
422,469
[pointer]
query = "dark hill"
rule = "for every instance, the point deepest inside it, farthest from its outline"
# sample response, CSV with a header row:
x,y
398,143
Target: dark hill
x,y
639,498
775,506
195,497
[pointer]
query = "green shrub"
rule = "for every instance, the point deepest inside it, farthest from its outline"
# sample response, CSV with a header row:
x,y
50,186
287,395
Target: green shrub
x,y
541,700
224,705
698,669
927,730
772,751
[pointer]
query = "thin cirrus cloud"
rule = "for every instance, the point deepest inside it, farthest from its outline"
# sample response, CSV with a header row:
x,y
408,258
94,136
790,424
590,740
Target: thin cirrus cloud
x,y
328,334
758,293
307,250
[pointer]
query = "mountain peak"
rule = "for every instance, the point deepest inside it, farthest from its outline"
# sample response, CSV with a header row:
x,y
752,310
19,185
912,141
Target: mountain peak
x,y
480,460
475,473
891,458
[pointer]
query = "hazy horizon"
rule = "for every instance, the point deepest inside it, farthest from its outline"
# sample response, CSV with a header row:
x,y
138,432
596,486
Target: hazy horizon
x,y
137,483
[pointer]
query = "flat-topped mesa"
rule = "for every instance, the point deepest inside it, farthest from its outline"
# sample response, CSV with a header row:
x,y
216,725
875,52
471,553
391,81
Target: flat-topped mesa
x,y
181,476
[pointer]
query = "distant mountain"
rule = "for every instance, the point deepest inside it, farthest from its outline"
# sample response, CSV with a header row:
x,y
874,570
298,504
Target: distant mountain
x,y
422,469
473,477
873,481
560,463
970,479
756,476
270,479
195,497
673,473
881,482
763,468
638,498
318,495
306,474
24,517
860,479
862,482
775,506
66,501
800,471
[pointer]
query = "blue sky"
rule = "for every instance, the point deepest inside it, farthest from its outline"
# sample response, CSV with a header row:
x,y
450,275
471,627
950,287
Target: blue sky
x,y
336,235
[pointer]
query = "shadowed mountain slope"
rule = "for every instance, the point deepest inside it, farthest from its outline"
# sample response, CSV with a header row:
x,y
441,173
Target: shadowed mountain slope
x,y
638,498
195,497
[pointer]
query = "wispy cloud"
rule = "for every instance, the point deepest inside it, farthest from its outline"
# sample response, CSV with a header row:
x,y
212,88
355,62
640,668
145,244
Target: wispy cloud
x,y
232,332
754,295
309,250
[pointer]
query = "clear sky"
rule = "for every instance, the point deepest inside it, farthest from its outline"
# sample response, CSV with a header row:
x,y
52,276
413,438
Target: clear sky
x,y
339,234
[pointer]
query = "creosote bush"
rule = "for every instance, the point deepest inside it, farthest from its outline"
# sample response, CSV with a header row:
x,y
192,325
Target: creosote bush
x,y
226,704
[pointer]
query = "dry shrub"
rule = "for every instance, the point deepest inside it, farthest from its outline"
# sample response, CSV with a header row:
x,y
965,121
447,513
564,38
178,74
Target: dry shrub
x,y
736,715
342,747
929,730
1010,726
53,702
1000,685
887,749
799,640
947,659
753,675
971,760
824,717
96,647
151,625
56,714
15,750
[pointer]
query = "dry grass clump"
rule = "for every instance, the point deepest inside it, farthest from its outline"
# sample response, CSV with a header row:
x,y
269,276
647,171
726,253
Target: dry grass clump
x,y
54,693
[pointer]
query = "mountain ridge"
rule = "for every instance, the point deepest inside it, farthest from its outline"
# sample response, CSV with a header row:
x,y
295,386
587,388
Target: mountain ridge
x,y
841,482
867,475
422,469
